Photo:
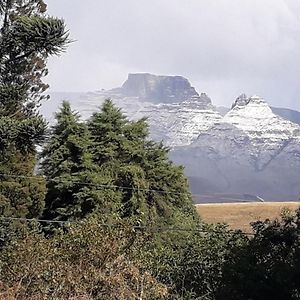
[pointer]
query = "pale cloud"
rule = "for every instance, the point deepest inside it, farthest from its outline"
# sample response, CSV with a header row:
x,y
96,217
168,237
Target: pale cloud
x,y
224,47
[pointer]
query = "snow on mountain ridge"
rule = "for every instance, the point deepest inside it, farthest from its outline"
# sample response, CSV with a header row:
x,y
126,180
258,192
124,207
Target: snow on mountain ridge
x,y
268,133
257,116
251,150
179,124
248,150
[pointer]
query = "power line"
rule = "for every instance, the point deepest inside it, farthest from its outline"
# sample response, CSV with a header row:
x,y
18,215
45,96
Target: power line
x,y
136,227
108,186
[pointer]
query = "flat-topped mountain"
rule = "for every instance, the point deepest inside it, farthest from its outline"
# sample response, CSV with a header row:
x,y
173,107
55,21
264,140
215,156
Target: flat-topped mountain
x,y
248,149
157,89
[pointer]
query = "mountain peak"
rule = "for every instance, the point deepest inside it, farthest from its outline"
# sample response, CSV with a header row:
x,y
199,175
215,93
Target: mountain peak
x,y
205,99
241,100
158,89
257,119
199,102
256,99
250,110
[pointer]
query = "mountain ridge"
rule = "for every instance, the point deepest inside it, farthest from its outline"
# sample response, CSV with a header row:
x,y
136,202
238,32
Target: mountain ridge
x,y
249,150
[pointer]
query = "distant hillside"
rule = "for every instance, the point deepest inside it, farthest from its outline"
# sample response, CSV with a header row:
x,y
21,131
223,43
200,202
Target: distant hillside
x,y
223,110
288,114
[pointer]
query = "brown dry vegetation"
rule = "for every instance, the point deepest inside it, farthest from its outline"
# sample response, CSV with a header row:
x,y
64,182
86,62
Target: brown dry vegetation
x,y
87,262
240,215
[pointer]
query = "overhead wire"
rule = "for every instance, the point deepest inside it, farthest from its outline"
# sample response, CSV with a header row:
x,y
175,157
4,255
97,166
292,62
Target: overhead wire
x,y
98,185
111,186
108,187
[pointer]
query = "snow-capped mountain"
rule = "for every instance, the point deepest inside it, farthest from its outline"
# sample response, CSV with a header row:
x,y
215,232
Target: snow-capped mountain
x,y
268,133
181,123
175,111
249,150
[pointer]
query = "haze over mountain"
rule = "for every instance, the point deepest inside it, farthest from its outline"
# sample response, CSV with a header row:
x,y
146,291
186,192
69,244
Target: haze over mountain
x,y
224,47
251,150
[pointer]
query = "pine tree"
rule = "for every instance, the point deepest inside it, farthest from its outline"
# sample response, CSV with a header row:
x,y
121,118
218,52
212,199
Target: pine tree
x,y
70,173
27,38
153,189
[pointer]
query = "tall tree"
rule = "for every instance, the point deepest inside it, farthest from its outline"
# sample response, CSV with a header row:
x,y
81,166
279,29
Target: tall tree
x,y
70,173
27,38
154,190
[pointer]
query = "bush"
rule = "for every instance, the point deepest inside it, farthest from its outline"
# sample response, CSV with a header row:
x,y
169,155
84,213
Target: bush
x,y
268,266
88,261
188,261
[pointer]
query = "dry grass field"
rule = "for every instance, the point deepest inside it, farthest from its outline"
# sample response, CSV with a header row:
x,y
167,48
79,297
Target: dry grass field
x,y
240,215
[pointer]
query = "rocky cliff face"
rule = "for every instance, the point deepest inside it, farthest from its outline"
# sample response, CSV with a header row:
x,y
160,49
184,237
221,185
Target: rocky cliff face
x,y
179,124
175,111
249,150
158,89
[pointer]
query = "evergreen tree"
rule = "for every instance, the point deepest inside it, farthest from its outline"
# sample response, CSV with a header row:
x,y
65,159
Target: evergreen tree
x,y
153,189
70,173
27,38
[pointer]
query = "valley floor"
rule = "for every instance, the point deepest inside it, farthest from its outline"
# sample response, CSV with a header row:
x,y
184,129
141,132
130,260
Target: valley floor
x,y
240,215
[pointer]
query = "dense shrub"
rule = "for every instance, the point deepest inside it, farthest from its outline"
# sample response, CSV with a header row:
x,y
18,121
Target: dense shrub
x,y
268,265
88,261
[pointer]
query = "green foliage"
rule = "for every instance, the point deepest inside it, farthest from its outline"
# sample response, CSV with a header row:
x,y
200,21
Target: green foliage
x,y
87,262
40,34
72,177
105,170
153,189
27,38
20,135
268,266
20,196
188,259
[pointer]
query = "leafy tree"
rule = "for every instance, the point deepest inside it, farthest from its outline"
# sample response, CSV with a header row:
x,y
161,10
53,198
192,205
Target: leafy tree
x,y
268,265
188,260
28,38
70,173
154,191
177,249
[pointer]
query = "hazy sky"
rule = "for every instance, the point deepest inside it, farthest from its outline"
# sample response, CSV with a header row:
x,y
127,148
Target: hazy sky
x,y
224,47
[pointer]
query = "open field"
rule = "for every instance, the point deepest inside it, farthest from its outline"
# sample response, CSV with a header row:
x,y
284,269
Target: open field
x,y
239,215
